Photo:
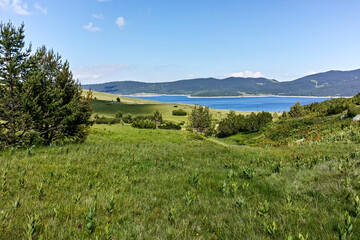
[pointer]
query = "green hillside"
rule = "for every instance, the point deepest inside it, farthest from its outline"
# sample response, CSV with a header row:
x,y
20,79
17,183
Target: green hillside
x,y
127,183
105,104
331,83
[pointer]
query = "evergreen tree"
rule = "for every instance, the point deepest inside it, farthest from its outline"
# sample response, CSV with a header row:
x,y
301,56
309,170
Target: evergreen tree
x,y
54,99
200,119
15,127
40,102
230,125
297,111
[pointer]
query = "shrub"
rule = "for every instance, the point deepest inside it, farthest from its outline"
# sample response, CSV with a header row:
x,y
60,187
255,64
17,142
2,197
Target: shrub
x,y
297,111
118,114
127,118
144,124
200,119
141,117
234,124
104,120
179,112
170,125
336,109
353,111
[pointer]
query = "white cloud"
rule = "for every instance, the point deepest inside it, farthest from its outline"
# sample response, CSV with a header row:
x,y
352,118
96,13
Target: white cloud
x,y
247,74
120,21
15,6
41,9
97,73
91,28
20,7
98,16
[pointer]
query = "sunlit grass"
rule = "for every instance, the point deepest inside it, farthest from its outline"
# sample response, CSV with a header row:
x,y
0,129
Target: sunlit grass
x,y
148,174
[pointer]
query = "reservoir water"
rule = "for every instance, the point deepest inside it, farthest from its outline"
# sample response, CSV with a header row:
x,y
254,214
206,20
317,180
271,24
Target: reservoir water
x,y
268,104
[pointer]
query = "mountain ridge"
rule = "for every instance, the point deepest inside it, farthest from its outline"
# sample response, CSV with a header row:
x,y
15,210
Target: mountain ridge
x,y
330,83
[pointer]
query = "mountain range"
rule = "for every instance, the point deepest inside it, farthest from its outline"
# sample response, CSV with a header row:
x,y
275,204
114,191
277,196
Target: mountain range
x,y
331,83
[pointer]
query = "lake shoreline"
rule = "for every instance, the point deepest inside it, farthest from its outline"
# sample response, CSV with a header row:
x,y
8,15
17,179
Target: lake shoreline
x,y
189,96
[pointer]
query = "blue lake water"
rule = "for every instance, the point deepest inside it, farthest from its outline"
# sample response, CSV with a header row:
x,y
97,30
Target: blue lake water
x,y
268,104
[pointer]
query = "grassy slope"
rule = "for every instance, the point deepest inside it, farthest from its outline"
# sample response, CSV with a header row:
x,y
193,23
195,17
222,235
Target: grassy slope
x,y
300,197
105,105
315,186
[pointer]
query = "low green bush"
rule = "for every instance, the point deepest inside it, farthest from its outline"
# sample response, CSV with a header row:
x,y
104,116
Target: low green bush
x,y
104,120
144,124
170,125
118,114
127,118
179,112
353,111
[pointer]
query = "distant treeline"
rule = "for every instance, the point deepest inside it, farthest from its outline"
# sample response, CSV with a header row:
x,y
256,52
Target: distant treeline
x,y
331,83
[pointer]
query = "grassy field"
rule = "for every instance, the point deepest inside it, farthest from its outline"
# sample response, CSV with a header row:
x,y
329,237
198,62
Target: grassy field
x,y
127,183
105,104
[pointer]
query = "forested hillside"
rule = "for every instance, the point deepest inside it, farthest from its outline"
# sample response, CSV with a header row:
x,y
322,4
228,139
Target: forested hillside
x,y
332,83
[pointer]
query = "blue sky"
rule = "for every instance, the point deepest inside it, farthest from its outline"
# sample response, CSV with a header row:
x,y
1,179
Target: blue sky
x,y
155,41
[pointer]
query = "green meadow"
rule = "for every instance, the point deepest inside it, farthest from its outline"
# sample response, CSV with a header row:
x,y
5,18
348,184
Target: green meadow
x,y
105,104
128,183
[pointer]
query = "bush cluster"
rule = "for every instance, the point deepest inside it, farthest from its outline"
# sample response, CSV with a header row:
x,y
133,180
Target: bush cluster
x,y
179,112
353,111
105,120
234,124
170,125
144,123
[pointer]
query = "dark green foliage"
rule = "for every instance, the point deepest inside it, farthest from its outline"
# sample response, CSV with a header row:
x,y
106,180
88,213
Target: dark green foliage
x,y
328,107
230,125
146,123
118,115
104,120
234,124
353,111
53,98
14,120
334,109
332,106
127,118
147,117
154,121
200,119
40,102
118,99
297,111
356,99
179,112
170,125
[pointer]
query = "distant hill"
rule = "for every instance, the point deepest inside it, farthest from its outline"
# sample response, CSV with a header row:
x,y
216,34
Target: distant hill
x,y
331,83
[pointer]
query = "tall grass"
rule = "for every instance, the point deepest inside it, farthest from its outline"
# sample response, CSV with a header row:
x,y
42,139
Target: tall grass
x,y
128,183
